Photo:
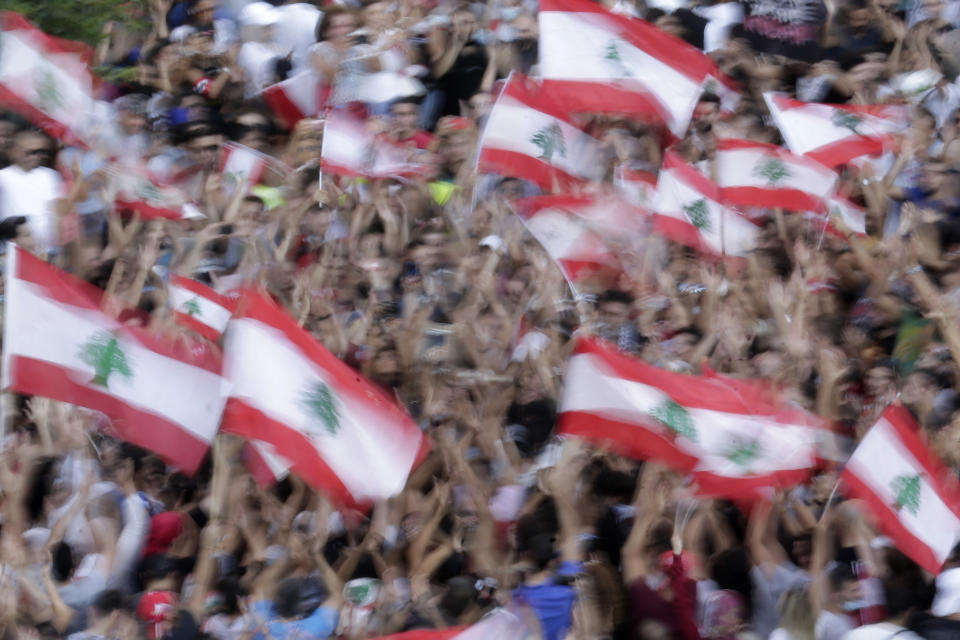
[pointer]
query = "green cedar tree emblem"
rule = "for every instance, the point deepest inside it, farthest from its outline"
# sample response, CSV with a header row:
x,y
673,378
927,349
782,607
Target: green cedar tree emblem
x,y
698,213
907,490
321,404
743,452
102,351
612,55
47,92
846,120
192,308
147,191
771,169
550,141
676,418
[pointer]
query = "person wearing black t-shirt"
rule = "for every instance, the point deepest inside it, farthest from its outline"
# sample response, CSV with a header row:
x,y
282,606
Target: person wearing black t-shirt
x,y
458,60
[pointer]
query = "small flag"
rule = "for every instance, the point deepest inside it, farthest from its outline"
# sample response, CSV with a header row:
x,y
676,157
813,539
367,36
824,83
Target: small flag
x,y
137,192
528,136
340,433
756,174
240,165
199,308
834,134
350,149
695,424
304,95
689,211
907,489
58,344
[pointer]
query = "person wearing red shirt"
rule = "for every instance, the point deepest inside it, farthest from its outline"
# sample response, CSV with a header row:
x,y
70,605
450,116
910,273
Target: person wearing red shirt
x,y
404,114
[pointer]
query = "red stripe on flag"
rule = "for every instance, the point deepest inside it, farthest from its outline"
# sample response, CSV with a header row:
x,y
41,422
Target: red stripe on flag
x,y
694,392
711,484
638,439
257,466
689,174
53,128
843,151
241,419
774,198
439,634
189,322
15,22
285,109
597,97
146,211
204,291
520,165
142,428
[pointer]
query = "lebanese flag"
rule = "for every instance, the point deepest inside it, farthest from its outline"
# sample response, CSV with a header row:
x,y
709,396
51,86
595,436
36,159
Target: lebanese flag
x,y
756,174
199,308
689,211
341,434
636,187
698,425
834,134
44,79
572,228
58,344
263,463
841,210
239,164
350,149
528,136
302,96
592,60
137,192
908,490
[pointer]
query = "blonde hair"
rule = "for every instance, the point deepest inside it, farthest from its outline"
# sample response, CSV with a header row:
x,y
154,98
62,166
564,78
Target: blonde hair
x,y
796,614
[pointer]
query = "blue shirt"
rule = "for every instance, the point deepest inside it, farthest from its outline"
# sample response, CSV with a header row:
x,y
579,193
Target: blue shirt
x,y
319,624
552,602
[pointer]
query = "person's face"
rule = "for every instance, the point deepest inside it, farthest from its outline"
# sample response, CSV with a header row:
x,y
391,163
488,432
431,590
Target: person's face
x,y
464,23
340,28
30,151
706,112
456,147
203,12
510,190
613,313
879,382
404,117
670,24
917,390
205,150
254,131
132,123
376,16
525,28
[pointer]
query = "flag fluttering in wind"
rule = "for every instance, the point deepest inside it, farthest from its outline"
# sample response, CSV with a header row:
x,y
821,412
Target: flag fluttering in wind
x,y
592,60
139,192
528,136
302,96
501,624
577,231
58,344
698,425
241,165
906,488
688,210
834,134
199,308
340,433
351,149
45,79
756,174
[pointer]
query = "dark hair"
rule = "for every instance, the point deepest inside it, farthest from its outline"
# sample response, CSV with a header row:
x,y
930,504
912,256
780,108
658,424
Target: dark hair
x,y
155,566
328,15
62,557
710,97
286,599
731,570
615,295
839,576
108,601
905,588
9,226
459,595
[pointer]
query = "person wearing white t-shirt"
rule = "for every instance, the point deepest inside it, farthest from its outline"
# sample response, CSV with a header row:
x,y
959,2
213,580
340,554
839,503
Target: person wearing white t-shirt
x,y
905,594
31,190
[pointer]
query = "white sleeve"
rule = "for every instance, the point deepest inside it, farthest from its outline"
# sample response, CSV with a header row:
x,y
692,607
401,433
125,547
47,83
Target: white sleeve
x,y
130,542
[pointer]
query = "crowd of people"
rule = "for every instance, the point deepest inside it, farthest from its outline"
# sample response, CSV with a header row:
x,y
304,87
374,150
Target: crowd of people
x,y
432,288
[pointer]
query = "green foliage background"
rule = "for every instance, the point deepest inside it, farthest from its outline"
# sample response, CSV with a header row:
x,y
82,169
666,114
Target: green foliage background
x,y
82,20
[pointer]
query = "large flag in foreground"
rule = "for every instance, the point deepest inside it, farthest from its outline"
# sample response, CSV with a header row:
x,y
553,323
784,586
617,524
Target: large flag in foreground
x,y
756,174
45,79
834,134
695,424
58,344
592,60
689,211
528,136
341,434
907,489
